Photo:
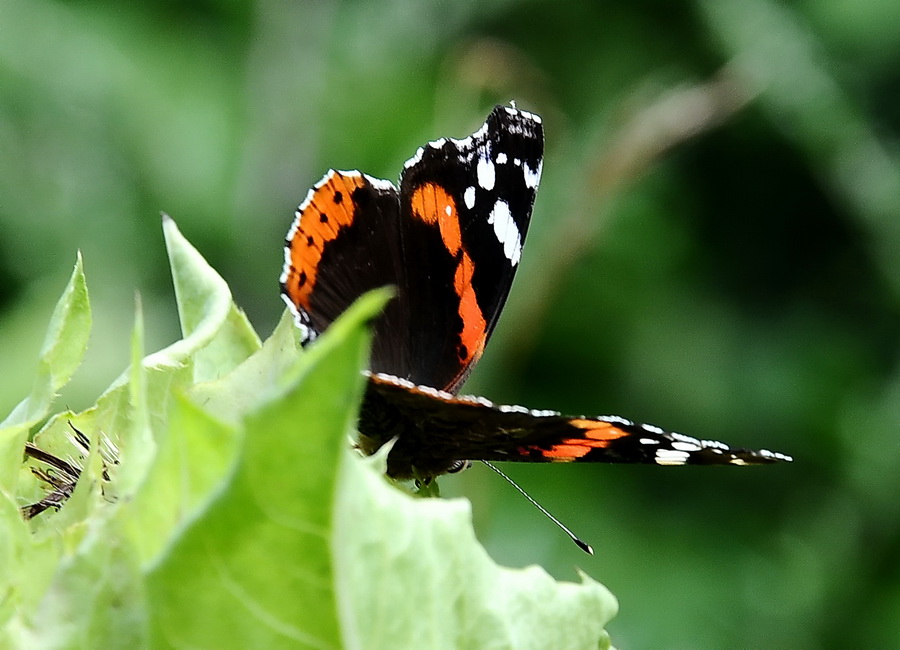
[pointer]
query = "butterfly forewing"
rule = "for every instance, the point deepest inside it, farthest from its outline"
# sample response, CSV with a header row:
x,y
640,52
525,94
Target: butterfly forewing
x,y
450,240
476,196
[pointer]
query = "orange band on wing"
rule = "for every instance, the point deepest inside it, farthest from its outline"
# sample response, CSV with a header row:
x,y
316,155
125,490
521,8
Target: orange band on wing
x,y
598,430
597,435
473,335
328,210
434,206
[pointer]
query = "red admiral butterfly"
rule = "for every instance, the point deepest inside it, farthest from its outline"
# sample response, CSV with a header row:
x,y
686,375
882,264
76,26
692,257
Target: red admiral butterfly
x,y
450,239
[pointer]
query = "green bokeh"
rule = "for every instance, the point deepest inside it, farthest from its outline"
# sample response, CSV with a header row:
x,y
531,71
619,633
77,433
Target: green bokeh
x,y
713,250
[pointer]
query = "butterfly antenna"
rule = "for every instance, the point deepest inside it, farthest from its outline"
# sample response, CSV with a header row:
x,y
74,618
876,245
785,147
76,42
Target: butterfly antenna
x,y
584,546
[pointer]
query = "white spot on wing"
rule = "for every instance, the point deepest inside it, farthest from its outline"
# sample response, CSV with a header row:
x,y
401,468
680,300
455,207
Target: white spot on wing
x,y
415,159
467,146
765,453
485,171
286,269
507,231
501,158
671,457
457,399
532,178
380,183
469,197
301,320
705,443
686,446
512,110
478,135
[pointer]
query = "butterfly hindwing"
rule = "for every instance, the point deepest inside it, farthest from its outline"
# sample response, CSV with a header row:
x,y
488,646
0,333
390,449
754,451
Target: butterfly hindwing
x,y
343,242
435,429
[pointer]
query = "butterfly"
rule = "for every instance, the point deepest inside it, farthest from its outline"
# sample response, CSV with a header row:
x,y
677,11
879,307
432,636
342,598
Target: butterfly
x,y
450,238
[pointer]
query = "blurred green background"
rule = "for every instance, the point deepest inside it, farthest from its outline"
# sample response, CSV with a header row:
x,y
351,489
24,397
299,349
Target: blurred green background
x,y
714,249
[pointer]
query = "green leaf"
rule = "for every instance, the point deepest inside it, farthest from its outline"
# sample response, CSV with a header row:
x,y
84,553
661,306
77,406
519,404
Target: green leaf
x,y
410,574
217,335
193,458
16,553
241,556
372,555
64,344
138,444
61,353
237,515
95,599
197,449
231,397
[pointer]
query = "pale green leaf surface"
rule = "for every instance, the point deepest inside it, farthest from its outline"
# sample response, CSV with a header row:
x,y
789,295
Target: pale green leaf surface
x,y
223,336
217,337
234,395
138,445
239,517
261,551
95,599
197,450
64,344
410,574
193,458
15,552
61,353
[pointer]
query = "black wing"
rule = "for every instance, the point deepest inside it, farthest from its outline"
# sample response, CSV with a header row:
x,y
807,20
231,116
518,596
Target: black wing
x,y
343,242
434,430
450,240
476,196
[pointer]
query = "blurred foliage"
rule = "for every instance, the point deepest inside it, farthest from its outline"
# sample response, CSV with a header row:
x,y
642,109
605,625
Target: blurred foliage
x,y
714,249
